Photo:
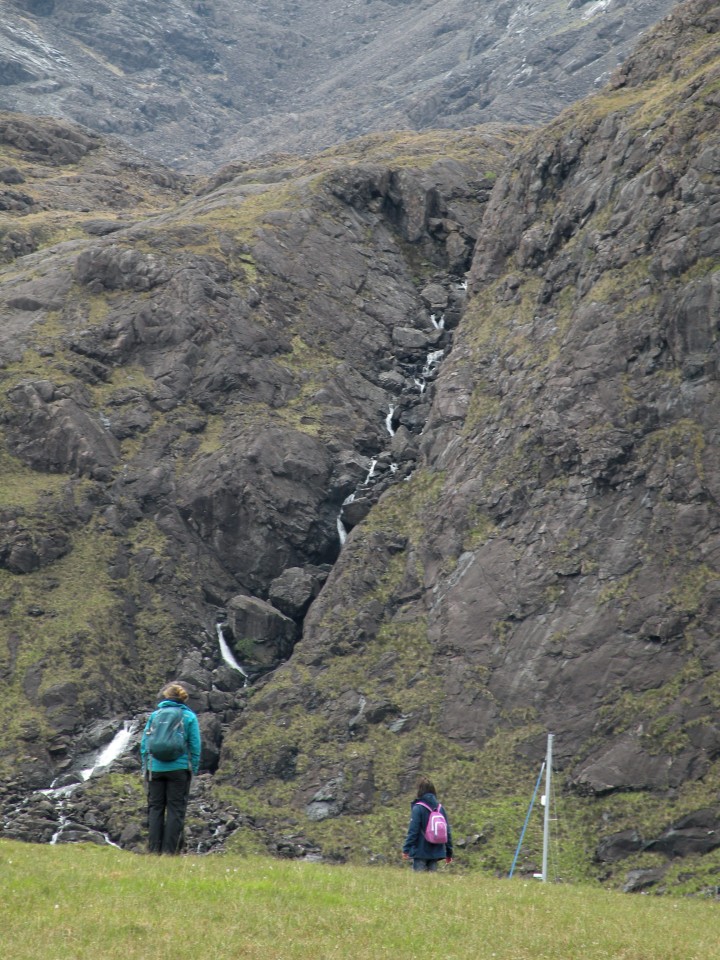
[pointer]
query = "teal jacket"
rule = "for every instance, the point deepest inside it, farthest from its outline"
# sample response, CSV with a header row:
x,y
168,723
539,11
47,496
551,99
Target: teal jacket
x,y
190,760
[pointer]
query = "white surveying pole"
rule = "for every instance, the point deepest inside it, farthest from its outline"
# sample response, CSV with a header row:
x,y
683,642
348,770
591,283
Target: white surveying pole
x,y
548,788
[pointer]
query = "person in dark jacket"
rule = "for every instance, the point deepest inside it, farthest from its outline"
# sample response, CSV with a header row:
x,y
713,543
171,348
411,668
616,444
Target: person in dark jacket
x,y
425,855
168,781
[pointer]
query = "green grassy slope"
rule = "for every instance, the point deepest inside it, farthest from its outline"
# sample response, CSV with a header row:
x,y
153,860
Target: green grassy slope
x,y
73,903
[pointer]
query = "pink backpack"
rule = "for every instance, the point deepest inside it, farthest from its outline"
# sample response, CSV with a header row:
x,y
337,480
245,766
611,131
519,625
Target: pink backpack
x,y
436,830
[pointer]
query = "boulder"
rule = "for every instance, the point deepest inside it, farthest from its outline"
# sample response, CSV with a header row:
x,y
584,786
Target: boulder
x,y
356,510
328,801
211,738
696,833
412,339
435,296
263,636
639,880
618,845
294,590
403,445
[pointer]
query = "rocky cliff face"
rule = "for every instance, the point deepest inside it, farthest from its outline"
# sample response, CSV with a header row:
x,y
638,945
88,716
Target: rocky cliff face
x,y
205,386
264,409
194,83
550,565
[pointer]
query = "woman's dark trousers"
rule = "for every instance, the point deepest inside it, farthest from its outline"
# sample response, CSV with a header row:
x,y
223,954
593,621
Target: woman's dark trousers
x,y
167,802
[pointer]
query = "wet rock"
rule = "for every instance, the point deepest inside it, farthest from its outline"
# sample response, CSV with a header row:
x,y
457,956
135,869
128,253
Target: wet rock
x,y
97,734
79,833
227,680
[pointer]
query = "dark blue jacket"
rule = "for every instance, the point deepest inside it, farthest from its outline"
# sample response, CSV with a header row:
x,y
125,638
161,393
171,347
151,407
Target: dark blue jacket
x,y
190,760
415,844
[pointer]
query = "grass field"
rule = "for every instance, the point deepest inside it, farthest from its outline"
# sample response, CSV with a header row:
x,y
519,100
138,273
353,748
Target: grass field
x,y
83,902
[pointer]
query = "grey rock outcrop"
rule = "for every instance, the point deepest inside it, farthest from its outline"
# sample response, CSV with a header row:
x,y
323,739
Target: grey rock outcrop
x,y
619,845
57,433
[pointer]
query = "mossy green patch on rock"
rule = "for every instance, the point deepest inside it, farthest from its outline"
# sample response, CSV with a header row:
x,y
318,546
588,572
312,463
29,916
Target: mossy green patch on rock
x,y
21,486
405,508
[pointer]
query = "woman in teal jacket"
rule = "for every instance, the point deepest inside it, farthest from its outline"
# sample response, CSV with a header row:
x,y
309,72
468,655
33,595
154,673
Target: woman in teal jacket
x,y
168,781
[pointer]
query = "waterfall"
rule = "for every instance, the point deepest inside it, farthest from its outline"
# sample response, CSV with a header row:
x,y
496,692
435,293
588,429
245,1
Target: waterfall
x,y
62,823
226,653
341,529
59,792
432,358
420,383
106,756
117,746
